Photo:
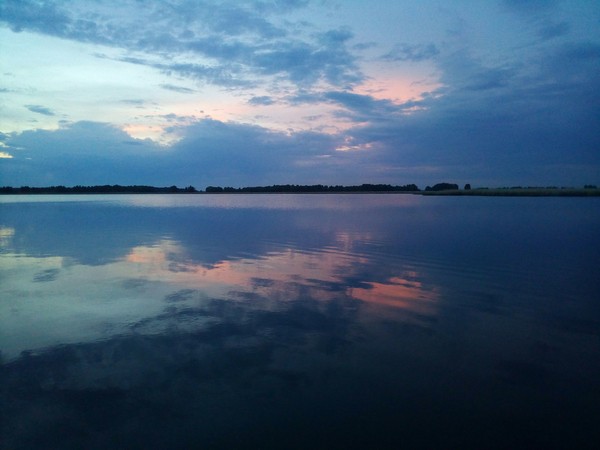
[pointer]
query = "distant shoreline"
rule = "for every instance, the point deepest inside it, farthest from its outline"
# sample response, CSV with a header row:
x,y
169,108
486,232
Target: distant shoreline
x,y
519,192
588,191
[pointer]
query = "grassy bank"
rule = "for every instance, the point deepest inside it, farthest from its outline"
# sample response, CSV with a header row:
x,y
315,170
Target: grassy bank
x,y
520,192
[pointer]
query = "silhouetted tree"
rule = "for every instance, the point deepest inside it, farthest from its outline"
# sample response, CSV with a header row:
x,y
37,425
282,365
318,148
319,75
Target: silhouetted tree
x,y
442,187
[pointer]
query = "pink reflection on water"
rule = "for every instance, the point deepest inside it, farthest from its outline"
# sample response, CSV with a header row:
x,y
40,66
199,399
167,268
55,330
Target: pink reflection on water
x,y
286,274
405,293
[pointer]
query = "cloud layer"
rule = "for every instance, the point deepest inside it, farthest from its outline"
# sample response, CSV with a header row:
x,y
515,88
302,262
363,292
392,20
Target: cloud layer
x,y
294,91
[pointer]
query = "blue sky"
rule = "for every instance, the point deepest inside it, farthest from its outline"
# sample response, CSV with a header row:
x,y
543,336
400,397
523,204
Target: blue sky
x,y
261,92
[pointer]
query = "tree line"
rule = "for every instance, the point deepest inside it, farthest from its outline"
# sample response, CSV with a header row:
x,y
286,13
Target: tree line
x,y
137,189
104,189
443,188
283,188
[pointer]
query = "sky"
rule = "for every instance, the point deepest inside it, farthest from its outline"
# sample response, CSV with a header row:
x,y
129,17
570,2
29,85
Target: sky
x,y
260,92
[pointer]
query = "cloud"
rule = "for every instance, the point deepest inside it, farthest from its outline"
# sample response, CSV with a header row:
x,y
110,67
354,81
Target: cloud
x,y
415,53
280,6
30,15
489,78
208,152
226,43
263,100
225,75
528,6
553,30
336,37
40,110
362,108
239,21
303,96
519,121
77,153
479,136
306,63
180,89
503,107
577,52
134,101
364,45
241,154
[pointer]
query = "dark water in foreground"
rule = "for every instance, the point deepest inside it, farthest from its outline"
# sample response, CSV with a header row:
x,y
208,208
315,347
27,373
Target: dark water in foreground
x,y
299,321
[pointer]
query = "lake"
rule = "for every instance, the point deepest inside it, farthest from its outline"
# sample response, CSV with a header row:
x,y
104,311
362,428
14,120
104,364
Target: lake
x,y
299,322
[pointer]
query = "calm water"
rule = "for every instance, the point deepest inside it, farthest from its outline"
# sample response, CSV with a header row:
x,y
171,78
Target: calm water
x,y
299,321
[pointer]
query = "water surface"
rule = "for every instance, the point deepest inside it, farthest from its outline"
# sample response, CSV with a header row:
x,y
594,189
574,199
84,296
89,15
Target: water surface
x,y
299,321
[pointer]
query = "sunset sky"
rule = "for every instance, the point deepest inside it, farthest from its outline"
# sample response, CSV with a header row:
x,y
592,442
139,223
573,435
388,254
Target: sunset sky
x,y
239,93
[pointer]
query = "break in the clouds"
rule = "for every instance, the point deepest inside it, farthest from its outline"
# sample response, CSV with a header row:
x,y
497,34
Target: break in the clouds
x,y
261,92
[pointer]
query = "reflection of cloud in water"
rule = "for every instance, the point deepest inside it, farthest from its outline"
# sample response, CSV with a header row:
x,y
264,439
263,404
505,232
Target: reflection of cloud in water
x,y
46,275
6,234
87,303
236,374
286,265
326,271
347,202
224,328
156,255
398,292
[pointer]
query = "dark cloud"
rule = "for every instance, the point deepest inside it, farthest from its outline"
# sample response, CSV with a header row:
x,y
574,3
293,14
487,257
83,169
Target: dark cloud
x,y
536,121
362,108
239,21
529,6
43,17
305,97
82,153
407,52
489,79
306,64
209,152
461,72
134,101
578,52
280,6
180,89
364,45
239,38
40,110
240,154
528,114
553,30
263,100
336,37
351,101
225,75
